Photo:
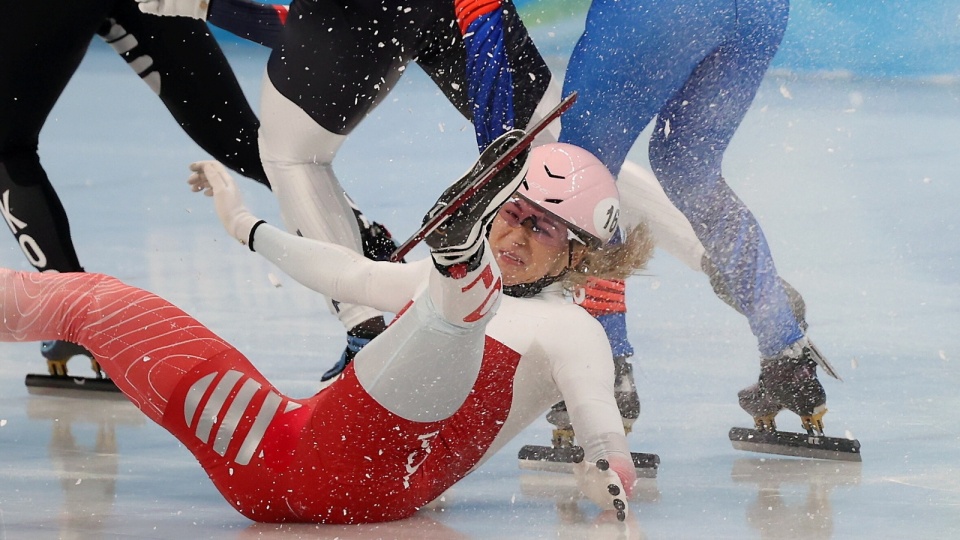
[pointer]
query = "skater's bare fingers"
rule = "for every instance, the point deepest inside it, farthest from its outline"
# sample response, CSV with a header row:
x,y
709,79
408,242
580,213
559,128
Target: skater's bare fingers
x,y
197,166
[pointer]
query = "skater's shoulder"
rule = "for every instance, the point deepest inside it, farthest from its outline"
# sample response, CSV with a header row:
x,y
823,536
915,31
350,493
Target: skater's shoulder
x,y
552,318
550,303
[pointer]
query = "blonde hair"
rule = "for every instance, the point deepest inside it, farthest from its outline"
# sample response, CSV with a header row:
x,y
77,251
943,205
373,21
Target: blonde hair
x,y
612,261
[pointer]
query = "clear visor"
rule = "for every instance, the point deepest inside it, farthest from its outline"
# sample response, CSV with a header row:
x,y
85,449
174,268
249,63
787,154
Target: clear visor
x,y
547,228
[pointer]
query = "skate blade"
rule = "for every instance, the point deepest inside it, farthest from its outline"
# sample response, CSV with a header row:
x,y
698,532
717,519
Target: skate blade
x,y
562,460
49,385
823,363
784,443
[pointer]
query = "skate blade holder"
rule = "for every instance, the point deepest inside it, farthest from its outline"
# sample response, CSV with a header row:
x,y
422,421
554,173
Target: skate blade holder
x,y
57,368
562,460
69,386
802,445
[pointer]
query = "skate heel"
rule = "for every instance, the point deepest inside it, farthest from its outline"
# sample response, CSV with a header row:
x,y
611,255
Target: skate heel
x,y
57,368
813,424
766,422
562,438
97,370
59,352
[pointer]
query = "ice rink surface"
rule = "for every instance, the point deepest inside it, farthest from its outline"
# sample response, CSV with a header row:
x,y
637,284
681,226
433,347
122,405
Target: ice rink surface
x,y
854,181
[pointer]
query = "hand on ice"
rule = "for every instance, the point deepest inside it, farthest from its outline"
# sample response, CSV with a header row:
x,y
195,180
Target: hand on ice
x,y
604,486
213,179
195,9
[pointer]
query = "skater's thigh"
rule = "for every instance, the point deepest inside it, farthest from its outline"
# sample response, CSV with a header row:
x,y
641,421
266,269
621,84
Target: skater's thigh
x,y
629,62
706,112
335,63
33,77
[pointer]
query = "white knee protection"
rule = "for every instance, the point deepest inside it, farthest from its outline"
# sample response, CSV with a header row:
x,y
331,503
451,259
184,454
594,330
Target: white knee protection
x,y
297,155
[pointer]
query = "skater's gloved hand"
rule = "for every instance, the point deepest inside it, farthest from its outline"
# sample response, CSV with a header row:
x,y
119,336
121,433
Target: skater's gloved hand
x,y
195,9
213,179
608,525
605,485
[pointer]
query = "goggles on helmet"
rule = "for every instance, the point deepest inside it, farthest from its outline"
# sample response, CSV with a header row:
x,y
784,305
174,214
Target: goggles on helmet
x,y
545,227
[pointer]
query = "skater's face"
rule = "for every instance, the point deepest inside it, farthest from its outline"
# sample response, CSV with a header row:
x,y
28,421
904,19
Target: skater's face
x,y
528,243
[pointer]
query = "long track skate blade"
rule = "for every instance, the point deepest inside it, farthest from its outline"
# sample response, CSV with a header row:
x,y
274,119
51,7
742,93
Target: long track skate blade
x,y
562,460
795,444
62,386
824,364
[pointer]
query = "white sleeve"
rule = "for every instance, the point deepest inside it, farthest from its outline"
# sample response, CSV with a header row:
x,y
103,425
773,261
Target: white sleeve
x,y
583,370
339,272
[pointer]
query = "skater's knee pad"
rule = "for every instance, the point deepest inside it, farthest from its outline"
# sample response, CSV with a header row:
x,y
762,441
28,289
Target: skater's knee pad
x,y
289,135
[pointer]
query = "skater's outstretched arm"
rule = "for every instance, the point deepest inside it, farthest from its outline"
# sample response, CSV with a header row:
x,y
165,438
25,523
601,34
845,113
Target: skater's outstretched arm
x,y
327,268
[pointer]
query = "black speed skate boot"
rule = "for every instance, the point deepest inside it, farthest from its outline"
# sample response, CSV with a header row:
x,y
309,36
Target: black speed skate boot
x,y
458,239
378,244
59,352
562,428
788,381
625,393
357,338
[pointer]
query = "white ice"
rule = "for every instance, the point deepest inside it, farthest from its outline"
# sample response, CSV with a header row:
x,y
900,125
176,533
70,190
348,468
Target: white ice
x,y
854,181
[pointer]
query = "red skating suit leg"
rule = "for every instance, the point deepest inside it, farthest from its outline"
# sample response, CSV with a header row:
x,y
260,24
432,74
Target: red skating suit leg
x,y
143,342
357,462
338,457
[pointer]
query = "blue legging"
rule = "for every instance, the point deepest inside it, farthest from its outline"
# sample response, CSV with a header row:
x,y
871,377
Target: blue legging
x,y
695,65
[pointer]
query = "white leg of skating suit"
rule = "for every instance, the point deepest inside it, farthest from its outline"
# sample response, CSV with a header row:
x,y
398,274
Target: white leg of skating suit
x,y
551,97
642,199
297,156
435,348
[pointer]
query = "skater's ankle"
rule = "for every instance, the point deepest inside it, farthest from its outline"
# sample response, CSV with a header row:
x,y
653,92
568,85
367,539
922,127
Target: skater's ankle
x,y
460,265
793,351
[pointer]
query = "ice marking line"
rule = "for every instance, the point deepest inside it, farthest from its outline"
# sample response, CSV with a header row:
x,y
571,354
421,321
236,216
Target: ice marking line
x,y
928,488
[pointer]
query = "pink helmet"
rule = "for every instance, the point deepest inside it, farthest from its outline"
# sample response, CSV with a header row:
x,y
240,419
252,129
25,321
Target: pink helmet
x,y
572,184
